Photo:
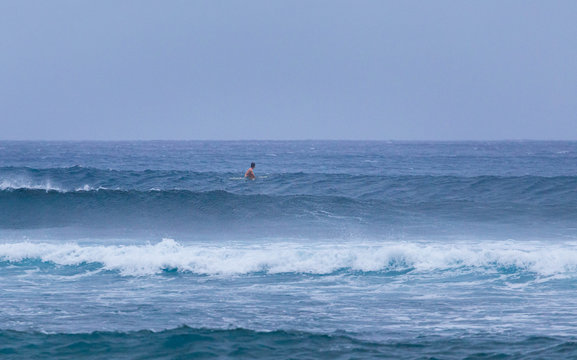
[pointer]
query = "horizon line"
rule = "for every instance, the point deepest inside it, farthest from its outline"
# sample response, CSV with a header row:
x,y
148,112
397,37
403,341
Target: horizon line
x,y
288,140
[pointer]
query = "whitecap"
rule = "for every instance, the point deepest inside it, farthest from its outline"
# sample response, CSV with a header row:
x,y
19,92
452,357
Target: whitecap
x,y
312,258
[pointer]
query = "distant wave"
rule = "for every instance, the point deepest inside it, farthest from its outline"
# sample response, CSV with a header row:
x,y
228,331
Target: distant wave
x,y
276,258
191,211
413,189
193,201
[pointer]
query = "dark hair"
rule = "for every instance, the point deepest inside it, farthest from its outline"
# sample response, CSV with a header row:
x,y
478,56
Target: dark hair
x,y
252,164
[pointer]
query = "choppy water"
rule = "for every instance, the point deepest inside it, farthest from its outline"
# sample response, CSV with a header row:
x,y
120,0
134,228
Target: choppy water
x,y
337,250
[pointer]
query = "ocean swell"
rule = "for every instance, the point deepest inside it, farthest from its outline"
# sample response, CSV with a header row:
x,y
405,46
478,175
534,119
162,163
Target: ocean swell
x,y
555,190
186,342
174,202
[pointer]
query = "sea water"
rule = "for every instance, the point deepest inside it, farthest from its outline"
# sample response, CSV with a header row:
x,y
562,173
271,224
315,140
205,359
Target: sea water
x,y
338,250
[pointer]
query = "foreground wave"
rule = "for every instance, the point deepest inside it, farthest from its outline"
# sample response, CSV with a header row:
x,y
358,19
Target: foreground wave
x,y
390,258
185,342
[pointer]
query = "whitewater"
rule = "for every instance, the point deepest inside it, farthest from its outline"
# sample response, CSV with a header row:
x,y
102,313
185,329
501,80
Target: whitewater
x,y
161,250
326,257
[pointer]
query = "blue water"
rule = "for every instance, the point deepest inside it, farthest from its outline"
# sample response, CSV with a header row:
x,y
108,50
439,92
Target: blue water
x,y
162,250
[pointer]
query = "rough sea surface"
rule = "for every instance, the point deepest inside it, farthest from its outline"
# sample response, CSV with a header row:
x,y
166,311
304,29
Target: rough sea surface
x,y
338,250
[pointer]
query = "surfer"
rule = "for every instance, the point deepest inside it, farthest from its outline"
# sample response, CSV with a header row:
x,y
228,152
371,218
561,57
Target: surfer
x,y
250,172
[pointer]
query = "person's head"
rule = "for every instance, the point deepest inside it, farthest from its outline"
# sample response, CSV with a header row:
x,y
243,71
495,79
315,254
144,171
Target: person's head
x,y
252,165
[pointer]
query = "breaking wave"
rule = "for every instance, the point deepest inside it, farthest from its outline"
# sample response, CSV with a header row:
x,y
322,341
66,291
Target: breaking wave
x,y
293,257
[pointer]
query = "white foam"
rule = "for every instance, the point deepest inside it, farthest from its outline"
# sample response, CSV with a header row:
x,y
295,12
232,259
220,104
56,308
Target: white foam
x,y
18,184
313,258
86,187
46,185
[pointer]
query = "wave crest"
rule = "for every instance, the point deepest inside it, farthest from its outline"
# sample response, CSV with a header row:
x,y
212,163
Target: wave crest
x,y
318,258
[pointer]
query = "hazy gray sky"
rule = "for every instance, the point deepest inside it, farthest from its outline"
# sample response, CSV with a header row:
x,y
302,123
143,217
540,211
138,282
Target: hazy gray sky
x,y
270,69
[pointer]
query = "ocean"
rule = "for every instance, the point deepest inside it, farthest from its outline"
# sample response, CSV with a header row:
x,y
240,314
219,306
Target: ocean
x,y
338,250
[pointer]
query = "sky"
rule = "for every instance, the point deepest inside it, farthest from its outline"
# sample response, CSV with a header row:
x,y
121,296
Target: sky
x,y
282,70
